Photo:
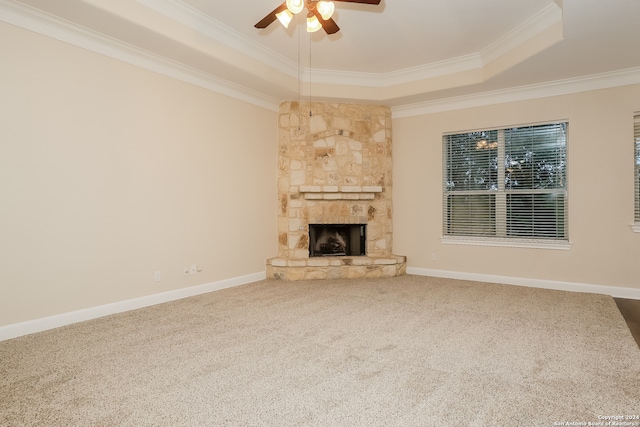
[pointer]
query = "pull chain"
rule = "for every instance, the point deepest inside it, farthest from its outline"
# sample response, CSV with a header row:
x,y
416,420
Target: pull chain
x,y
299,80
310,113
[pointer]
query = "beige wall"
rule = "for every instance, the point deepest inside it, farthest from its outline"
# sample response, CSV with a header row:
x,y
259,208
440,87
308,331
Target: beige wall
x,y
109,172
605,250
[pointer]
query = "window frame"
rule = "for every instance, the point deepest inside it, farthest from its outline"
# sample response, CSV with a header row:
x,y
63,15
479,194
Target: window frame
x,y
636,171
501,194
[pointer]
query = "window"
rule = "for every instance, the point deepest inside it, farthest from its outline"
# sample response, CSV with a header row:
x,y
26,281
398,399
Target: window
x,y
506,185
636,136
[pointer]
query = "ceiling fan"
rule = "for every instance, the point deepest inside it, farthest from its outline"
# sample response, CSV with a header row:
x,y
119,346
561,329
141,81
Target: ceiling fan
x,y
318,16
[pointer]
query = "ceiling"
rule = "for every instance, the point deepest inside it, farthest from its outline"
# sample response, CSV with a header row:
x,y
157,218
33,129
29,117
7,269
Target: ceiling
x,y
399,53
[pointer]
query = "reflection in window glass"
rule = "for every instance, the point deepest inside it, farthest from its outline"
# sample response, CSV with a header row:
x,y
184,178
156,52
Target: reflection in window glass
x,y
508,183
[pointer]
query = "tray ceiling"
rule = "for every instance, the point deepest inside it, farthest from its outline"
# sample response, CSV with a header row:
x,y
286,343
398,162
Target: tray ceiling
x,y
399,53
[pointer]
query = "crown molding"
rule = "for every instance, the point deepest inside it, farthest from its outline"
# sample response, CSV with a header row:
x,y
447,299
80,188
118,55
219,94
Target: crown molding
x,y
537,24
560,87
393,78
32,19
541,23
216,30
18,14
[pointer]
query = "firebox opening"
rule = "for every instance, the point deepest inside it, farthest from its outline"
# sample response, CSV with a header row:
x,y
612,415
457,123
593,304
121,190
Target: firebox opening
x,y
337,239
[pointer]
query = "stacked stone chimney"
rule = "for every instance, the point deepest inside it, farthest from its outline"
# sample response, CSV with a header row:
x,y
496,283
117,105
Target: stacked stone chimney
x,y
335,167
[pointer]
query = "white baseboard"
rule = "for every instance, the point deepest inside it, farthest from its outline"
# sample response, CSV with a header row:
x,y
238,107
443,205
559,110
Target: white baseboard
x,y
616,292
46,323
58,320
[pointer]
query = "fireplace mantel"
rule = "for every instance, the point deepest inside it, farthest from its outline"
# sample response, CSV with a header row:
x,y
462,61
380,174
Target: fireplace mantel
x,y
340,192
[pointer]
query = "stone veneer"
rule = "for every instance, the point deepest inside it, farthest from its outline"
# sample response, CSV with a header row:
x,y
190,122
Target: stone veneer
x,y
334,165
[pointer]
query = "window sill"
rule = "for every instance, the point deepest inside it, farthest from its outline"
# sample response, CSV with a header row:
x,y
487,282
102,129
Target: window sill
x,y
636,227
509,243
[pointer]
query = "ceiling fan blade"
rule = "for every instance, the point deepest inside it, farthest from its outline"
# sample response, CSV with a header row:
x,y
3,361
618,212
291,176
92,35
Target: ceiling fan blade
x,y
267,20
360,1
329,25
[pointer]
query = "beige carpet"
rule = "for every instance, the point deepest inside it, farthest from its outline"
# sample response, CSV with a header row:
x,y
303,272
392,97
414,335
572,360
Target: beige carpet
x,y
408,351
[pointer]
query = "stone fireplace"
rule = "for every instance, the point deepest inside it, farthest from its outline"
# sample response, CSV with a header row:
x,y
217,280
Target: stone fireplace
x,y
334,193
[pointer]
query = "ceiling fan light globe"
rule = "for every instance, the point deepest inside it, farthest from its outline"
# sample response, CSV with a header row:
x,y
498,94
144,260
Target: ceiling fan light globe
x,y
313,24
326,9
285,17
295,6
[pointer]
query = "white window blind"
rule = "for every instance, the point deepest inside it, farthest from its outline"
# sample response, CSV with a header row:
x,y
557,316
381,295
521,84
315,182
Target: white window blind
x,y
506,183
636,135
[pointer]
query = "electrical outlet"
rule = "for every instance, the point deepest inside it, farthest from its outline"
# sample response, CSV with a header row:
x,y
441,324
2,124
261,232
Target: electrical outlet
x,y
193,269
157,276
433,256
